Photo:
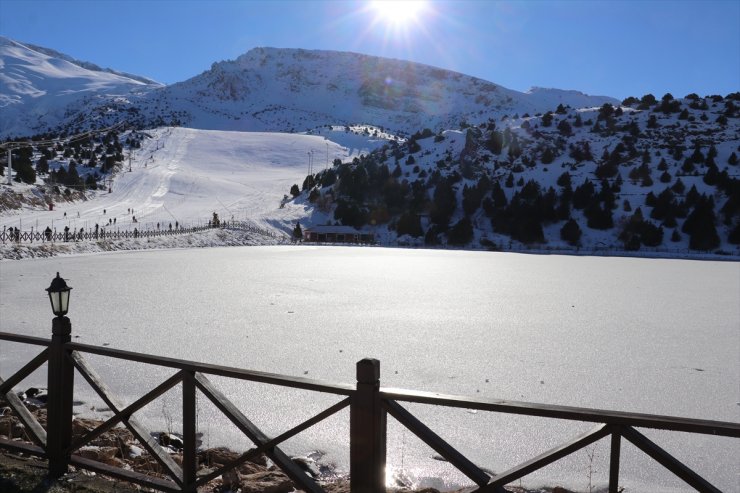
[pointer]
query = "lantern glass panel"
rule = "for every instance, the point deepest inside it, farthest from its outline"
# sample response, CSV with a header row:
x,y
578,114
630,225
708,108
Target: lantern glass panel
x,y
59,302
64,301
55,302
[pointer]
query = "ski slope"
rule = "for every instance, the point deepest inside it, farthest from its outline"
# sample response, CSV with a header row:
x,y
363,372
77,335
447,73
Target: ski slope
x,y
185,175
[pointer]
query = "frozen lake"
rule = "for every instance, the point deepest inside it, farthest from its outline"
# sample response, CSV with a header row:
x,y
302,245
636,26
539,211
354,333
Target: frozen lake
x,y
642,335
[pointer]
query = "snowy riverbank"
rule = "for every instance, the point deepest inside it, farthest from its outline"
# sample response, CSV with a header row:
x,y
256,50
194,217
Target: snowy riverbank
x,y
202,239
230,237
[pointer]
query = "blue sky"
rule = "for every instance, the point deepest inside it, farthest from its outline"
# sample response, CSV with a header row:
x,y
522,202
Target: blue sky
x,y
615,48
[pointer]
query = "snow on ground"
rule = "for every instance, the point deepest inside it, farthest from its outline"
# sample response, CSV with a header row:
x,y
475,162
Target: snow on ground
x,y
202,239
185,175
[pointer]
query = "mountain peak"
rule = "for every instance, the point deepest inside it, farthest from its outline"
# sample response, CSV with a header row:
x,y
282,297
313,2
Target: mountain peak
x,y
285,89
264,89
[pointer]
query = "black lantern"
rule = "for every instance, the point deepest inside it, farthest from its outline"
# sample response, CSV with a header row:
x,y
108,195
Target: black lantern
x,y
59,296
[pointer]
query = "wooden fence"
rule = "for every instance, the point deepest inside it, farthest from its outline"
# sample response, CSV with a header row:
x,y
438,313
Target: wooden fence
x,y
13,235
369,405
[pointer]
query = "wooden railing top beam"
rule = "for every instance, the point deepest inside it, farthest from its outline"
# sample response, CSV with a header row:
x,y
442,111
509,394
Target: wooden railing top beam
x,y
620,418
38,341
218,370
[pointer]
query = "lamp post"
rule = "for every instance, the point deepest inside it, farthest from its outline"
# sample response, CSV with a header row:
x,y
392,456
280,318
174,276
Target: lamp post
x,y
60,381
59,296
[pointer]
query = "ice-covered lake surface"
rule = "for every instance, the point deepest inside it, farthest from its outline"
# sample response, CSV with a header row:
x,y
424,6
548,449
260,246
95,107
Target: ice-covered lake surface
x,y
641,335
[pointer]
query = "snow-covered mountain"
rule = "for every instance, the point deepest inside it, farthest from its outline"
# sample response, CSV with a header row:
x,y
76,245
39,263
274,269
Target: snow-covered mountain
x,y
39,88
293,89
266,89
459,161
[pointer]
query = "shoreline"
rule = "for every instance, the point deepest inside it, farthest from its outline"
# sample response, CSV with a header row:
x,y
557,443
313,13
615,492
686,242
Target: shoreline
x,y
228,237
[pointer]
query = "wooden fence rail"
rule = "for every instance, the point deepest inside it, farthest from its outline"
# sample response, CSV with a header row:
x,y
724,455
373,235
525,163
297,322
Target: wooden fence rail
x,y
15,236
369,404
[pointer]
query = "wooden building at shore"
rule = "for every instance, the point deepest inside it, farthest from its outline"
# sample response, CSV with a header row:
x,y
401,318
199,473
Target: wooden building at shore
x,y
337,234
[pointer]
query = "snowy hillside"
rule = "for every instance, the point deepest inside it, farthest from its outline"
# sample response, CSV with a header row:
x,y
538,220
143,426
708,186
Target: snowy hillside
x,y
266,89
651,175
37,90
181,175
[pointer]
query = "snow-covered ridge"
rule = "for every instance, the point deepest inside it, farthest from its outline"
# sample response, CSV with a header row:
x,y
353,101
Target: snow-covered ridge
x,y
38,89
90,65
294,89
265,89
550,98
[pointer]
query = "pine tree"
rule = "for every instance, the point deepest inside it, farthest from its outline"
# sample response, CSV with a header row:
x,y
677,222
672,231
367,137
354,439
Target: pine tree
x,y
547,119
564,128
734,236
444,204
647,101
630,101
571,232
461,233
699,225
297,232
509,181
678,187
547,156
599,217
495,142
409,224
697,155
42,165
564,179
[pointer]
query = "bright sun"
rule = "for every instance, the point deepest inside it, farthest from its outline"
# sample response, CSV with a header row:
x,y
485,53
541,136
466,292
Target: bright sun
x,y
398,12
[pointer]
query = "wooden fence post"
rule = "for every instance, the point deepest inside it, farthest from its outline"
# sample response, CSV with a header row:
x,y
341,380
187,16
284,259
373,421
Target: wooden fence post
x,y
367,443
614,461
59,402
189,416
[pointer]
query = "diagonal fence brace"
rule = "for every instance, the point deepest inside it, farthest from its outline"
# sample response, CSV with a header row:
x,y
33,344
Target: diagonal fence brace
x,y
546,458
250,454
668,461
290,468
36,431
139,431
462,463
127,412
27,369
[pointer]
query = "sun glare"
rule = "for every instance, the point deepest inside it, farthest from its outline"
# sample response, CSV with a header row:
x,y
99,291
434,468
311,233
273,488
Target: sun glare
x,y
398,12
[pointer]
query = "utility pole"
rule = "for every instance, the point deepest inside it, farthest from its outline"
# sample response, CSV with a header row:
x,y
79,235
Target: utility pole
x,y
327,156
129,160
10,166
